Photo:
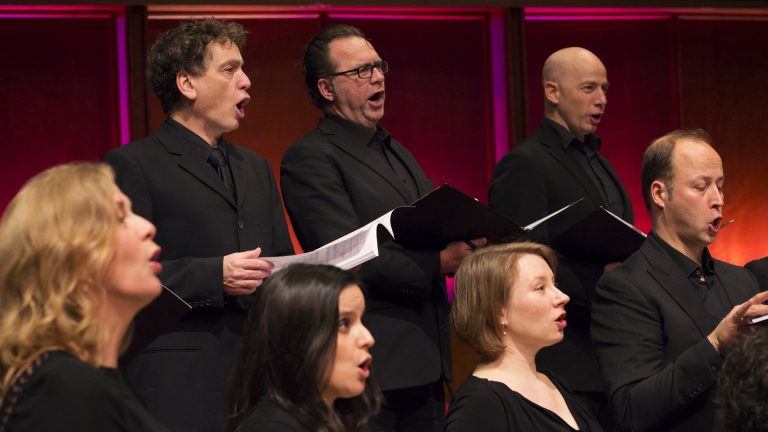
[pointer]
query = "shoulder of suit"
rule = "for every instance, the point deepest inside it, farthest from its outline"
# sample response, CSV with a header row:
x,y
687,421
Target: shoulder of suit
x,y
142,145
313,142
245,152
731,268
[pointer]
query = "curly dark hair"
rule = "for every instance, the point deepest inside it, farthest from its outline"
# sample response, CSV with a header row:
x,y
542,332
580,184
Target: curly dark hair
x,y
289,341
743,384
317,62
184,48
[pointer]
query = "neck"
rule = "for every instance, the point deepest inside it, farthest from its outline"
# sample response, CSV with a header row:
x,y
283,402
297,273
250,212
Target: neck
x,y
328,400
113,323
555,117
518,359
186,118
694,252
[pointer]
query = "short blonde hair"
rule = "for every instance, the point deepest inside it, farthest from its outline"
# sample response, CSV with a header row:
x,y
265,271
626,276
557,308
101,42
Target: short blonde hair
x,y
57,237
482,289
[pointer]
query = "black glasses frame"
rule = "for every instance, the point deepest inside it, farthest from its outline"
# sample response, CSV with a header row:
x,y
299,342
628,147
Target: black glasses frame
x,y
365,71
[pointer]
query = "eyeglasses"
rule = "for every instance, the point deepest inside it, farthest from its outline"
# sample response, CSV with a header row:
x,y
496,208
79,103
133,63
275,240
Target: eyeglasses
x,y
365,72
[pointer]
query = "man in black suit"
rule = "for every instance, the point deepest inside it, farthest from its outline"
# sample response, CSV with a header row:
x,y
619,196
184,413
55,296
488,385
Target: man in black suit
x,y
217,210
663,319
759,268
552,168
347,172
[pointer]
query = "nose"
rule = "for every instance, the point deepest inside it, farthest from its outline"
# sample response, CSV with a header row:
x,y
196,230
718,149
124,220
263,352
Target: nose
x,y
366,338
377,75
245,82
561,298
146,228
718,199
602,98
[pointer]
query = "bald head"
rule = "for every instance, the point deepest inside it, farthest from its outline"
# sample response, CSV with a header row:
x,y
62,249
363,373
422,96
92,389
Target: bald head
x,y
568,62
683,186
575,90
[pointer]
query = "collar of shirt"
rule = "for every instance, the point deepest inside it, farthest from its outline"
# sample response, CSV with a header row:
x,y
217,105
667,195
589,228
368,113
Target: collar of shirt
x,y
685,264
205,148
361,134
591,143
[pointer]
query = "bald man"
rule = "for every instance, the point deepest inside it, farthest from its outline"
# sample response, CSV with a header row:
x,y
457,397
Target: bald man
x,y
556,166
662,321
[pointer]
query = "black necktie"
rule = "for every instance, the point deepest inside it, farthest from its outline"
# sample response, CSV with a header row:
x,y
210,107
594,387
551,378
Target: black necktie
x,y
219,161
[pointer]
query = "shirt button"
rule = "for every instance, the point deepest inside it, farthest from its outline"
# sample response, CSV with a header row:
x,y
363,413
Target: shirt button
x,y
240,224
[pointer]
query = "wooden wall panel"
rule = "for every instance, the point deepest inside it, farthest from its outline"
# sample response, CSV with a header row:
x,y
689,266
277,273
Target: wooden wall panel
x,y
59,94
724,91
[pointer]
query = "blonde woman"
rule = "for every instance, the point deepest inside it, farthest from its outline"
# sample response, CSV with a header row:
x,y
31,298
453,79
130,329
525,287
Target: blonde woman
x,y
77,265
508,308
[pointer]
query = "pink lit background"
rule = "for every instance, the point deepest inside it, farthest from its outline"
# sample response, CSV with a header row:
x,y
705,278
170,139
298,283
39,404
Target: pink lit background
x,y
453,98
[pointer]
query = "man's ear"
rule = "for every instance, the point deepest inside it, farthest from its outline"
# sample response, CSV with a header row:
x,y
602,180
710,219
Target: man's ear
x,y
552,92
325,87
659,193
186,85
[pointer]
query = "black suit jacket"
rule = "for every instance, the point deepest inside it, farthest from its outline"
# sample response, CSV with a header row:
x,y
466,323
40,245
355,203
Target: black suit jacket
x,y
183,375
535,179
332,185
759,268
650,328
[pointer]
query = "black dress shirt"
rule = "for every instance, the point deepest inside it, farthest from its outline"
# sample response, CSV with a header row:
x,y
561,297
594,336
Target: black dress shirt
x,y
378,141
703,278
585,154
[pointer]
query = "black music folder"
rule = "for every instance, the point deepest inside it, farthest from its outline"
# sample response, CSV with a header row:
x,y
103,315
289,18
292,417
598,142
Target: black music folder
x,y
446,215
600,237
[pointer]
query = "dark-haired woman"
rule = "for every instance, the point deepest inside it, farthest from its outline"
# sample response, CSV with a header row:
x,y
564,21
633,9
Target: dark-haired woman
x,y
305,361
508,308
77,265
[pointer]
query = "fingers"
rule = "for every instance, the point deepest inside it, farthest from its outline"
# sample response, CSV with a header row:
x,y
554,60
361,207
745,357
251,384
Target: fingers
x,y
254,253
244,272
751,307
759,298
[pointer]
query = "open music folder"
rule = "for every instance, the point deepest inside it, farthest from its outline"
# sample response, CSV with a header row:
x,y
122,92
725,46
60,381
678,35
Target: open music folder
x,y
601,237
440,217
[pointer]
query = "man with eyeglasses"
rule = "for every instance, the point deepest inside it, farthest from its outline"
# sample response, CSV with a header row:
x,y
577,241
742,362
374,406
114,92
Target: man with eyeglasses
x,y
347,172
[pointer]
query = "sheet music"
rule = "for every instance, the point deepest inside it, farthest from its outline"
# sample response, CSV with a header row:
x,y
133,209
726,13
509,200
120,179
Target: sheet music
x,y
345,252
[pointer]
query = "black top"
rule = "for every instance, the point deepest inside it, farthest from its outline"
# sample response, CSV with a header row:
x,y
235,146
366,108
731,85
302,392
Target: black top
x,y
759,268
491,406
585,154
268,417
63,393
379,143
703,278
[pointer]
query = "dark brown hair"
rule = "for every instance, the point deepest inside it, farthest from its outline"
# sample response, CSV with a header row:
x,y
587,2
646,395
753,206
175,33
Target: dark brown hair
x,y
317,62
185,48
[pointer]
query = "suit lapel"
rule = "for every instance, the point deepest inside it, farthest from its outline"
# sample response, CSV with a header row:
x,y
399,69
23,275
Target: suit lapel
x,y
192,160
342,139
676,284
413,168
552,143
628,215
